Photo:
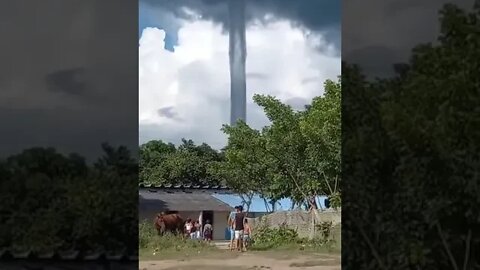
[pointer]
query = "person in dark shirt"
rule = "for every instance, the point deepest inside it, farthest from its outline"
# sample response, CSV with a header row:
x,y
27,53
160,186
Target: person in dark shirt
x,y
239,226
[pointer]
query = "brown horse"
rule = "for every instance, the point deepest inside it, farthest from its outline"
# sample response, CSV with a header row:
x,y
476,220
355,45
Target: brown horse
x,y
168,223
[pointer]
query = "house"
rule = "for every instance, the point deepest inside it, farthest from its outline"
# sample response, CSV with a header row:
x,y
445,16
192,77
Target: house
x,y
197,203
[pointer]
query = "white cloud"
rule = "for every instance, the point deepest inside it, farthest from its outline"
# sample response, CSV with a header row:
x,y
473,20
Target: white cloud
x,y
193,83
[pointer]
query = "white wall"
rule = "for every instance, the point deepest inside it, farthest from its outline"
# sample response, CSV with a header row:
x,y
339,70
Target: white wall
x,y
219,225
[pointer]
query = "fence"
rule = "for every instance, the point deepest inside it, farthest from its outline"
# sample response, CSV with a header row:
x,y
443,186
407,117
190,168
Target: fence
x,y
305,223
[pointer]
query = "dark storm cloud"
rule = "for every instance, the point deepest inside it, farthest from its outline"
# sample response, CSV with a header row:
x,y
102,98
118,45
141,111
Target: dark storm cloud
x,y
322,16
69,81
168,112
381,65
376,46
76,47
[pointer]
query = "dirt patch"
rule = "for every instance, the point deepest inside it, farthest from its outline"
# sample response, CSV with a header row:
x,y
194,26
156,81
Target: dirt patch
x,y
327,262
205,267
249,261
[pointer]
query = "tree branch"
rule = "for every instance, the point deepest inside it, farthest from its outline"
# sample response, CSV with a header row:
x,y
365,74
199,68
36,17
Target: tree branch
x,y
447,248
372,248
467,249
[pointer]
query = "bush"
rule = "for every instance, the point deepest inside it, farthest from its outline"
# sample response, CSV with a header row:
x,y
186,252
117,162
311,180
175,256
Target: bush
x,y
146,234
266,238
149,239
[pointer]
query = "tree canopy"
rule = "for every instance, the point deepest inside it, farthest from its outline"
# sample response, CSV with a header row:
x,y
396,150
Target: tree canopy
x,y
411,155
54,202
164,163
297,156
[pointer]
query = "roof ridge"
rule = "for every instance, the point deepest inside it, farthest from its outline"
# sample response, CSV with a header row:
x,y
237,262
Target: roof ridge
x,y
68,255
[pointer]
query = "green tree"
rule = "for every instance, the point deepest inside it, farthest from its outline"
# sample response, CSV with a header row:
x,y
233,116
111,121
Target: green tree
x,y
321,127
162,163
57,202
244,169
297,156
152,155
412,156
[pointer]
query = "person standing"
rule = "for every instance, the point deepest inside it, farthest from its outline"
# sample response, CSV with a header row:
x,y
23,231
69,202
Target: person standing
x,y
208,231
231,224
239,227
198,230
189,228
247,234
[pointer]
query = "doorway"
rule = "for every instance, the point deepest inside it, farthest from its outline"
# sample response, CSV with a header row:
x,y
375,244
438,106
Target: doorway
x,y
207,215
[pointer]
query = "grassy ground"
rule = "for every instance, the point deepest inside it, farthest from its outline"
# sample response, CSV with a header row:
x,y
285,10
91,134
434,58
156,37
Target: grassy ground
x,y
154,248
213,253
185,253
252,260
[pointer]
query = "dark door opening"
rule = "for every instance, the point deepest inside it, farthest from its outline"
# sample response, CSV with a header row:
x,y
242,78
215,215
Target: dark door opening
x,y
207,215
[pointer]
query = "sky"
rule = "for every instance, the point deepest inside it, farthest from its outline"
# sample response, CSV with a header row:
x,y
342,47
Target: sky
x,y
63,78
376,46
184,82
75,88
258,204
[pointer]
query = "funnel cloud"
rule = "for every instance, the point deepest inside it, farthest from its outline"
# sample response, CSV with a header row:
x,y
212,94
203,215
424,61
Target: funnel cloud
x,y
238,55
192,57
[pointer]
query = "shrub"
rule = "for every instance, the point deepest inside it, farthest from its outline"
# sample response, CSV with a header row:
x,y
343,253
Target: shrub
x,y
149,239
266,238
325,229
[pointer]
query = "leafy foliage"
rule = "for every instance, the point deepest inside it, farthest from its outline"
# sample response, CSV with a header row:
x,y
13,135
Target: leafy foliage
x,y
269,238
150,241
162,163
266,238
411,154
297,156
51,201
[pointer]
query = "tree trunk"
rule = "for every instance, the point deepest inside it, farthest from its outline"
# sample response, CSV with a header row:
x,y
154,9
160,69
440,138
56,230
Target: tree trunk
x,y
267,207
312,203
273,205
293,205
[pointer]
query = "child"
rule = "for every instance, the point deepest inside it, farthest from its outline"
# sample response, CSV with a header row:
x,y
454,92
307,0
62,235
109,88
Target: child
x,y
188,228
247,232
208,231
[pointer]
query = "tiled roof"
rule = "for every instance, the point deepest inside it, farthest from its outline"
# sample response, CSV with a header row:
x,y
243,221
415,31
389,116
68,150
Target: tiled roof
x,y
177,187
158,200
74,255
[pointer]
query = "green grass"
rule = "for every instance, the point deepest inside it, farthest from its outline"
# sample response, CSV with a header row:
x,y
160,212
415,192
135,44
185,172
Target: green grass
x,y
286,239
171,247
153,246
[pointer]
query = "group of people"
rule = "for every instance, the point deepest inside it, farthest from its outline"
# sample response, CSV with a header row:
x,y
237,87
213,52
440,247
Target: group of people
x,y
240,230
193,230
